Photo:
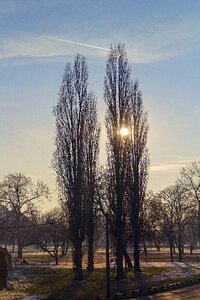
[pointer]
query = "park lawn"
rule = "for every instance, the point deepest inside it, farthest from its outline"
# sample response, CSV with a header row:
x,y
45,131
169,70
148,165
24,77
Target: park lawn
x,y
165,257
58,283
153,256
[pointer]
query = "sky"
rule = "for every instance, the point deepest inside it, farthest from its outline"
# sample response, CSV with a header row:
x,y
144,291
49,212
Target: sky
x,y
37,39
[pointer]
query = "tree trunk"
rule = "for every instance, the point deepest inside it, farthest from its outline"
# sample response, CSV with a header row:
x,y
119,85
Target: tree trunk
x,y
145,249
90,266
78,261
171,251
77,232
136,221
19,243
174,247
137,268
191,248
119,258
3,269
19,252
56,256
56,259
199,221
157,246
182,248
128,261
63,249
90,236
180,254
13,247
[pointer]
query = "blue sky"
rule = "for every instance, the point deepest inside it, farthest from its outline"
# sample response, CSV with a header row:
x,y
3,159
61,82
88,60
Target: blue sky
x,y
163,45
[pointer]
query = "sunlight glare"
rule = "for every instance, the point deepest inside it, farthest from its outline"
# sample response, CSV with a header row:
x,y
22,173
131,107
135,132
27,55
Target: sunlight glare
x,y
124,131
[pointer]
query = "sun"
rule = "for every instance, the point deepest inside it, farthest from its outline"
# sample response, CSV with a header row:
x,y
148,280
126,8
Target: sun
x,y
124,131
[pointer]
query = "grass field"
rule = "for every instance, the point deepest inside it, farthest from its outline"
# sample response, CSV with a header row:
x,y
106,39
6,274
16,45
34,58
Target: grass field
x,y
42,277
59,284
99,258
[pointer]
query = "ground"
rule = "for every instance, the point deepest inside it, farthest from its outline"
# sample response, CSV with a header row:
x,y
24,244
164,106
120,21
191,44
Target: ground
x,y
42,278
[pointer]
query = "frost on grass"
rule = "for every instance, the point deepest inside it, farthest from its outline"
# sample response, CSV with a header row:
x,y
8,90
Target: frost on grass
x,y
17,290
176,274
17,287
22,280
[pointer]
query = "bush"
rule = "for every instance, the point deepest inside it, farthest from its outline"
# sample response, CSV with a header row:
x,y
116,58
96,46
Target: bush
x,y
5,267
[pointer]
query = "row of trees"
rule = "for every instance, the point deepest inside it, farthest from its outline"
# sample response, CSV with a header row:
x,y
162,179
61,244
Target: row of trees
x,y
22,224
172,215
168,218
19,197
119,191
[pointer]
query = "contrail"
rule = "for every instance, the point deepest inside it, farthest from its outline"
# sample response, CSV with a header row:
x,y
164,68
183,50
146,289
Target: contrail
x,y
76,43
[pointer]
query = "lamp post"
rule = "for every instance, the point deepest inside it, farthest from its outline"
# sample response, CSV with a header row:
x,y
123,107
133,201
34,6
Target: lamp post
x,y
107,260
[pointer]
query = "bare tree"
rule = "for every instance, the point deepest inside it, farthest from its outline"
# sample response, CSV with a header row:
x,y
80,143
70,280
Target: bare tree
x,y
71,111
117,98
52,233
177,210
138,166
168,222
190,180
151,220
91,163
191,231
20,195
5,221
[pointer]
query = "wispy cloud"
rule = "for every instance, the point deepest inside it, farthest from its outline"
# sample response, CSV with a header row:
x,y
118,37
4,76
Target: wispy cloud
x,y
39,47
171,166
163,41
43,47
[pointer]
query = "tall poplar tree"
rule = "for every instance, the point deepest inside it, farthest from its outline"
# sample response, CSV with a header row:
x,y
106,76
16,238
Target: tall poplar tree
x,y
117,98
91,164
127,153
73,112
138,166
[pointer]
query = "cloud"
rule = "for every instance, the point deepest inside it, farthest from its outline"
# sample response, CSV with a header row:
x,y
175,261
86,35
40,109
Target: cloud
x,y
45,48
158,43
171,166
32,46
164,41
